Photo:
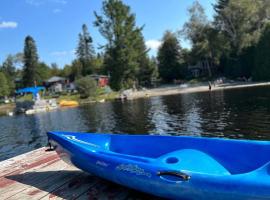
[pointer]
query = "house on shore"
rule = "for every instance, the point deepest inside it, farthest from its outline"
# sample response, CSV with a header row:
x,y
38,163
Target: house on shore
x,y
201,68
102,80
57,84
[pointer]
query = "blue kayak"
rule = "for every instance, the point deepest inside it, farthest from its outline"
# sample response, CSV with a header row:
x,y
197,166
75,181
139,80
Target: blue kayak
x,y
187,168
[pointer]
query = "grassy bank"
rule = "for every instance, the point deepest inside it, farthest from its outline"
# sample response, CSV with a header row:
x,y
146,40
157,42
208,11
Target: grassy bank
x,y
76,97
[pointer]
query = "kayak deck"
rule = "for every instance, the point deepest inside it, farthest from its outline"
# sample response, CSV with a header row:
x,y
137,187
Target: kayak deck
x,y
42,175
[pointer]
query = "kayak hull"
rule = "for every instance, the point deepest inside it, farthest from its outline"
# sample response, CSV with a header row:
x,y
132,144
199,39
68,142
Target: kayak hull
x,y
99,154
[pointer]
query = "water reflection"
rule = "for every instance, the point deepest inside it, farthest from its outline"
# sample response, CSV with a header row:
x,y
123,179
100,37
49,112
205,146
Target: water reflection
x,y
243,113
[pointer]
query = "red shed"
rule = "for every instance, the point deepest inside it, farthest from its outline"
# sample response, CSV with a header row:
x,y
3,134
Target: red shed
x,y
102,80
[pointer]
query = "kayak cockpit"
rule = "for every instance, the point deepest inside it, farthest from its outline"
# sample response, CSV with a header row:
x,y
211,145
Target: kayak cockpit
x,y
194,161
224,156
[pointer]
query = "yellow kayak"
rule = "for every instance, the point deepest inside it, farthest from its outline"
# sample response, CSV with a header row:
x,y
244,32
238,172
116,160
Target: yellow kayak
x,y
66,103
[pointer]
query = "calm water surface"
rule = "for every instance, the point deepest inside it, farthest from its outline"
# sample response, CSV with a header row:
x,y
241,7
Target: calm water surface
x,y
238,113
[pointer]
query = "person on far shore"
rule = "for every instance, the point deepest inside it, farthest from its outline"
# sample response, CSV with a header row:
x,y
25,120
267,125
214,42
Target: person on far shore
x,y
210,86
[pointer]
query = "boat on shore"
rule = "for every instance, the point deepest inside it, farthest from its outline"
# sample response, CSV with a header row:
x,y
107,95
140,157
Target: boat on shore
x,y
68,103
36,105
172,167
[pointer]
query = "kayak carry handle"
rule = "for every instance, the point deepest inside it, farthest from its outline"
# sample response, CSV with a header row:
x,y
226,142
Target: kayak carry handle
x,y
181,175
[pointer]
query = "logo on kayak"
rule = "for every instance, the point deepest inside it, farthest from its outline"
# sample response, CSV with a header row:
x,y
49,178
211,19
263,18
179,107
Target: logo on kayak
x,y
133,169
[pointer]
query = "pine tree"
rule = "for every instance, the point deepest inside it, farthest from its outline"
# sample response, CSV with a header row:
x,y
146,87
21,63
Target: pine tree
x,y
85,51
30,69
147,70
122,52
169,58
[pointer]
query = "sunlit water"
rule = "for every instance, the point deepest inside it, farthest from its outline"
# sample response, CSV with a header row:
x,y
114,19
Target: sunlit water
x,y
238,113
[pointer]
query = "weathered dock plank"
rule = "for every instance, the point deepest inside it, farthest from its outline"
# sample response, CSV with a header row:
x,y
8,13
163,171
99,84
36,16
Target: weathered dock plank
x,y
42,175
47,178
24,161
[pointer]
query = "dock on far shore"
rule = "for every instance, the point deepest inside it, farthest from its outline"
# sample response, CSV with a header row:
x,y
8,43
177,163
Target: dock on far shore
x,y
41,174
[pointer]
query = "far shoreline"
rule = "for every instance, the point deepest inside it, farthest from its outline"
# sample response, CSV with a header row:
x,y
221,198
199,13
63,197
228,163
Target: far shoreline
x,y
203,87
164,90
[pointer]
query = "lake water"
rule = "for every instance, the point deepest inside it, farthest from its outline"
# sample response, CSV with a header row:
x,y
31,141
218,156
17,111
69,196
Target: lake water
x,y
238,113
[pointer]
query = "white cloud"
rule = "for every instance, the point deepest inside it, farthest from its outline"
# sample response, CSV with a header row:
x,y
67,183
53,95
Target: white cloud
x,y
40,2
153,44
9,24
56,10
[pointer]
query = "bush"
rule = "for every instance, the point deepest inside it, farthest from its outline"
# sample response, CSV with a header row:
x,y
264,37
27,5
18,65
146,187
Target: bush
x,y
87,87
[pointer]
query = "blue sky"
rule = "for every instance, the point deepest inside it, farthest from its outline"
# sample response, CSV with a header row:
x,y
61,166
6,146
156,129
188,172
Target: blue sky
x,y
55,24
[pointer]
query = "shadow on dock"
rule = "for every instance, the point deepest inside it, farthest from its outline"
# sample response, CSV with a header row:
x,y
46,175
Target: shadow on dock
x,y
73,185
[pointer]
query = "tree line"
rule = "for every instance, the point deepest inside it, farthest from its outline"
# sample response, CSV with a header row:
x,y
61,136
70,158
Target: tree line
x,y
233,44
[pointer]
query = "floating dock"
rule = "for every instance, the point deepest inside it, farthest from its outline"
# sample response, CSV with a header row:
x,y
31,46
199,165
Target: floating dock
x,y
40,174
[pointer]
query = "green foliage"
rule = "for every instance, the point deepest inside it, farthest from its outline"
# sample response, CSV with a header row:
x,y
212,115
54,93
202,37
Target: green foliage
x,y
124,46
170,58
262,57
85,51
76,70
241,22
66,71
9,70
193,30
55,71
98,64
8,66
30,69
227,44
44,72
4,88
148,73
208,44
87,87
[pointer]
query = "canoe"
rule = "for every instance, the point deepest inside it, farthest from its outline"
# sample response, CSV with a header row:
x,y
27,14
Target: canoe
x,y
66,103
188,168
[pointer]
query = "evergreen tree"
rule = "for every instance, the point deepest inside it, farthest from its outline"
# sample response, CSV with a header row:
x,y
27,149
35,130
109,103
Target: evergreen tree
x,y
30,69
122,52
147,68
85,51
169,58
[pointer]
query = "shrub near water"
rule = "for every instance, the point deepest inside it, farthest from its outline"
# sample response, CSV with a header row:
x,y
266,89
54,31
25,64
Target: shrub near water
x,y
87,87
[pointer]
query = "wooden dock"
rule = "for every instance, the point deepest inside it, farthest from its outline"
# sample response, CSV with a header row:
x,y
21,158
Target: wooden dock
x,y
41,174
